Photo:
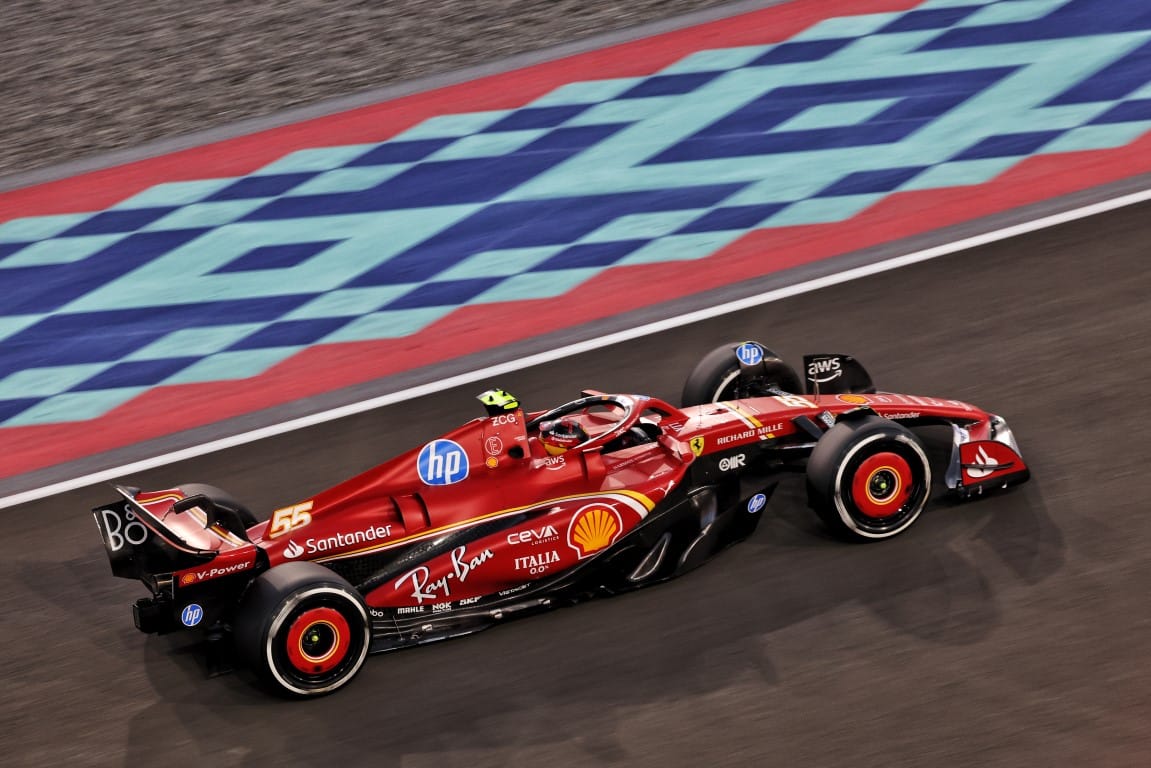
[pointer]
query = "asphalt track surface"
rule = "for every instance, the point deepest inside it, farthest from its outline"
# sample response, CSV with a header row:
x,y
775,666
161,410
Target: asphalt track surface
x,y
1005,632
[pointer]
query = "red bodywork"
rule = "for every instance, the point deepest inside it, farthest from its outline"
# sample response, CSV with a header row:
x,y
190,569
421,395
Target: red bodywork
x,y
574,505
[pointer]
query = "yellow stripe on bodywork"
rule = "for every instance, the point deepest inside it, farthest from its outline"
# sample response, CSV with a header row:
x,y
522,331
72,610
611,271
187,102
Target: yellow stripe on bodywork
x,y
646,502
746,417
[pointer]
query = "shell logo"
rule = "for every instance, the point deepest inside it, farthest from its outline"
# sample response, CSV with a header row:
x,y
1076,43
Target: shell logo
x,y
853,399
187,579
593,528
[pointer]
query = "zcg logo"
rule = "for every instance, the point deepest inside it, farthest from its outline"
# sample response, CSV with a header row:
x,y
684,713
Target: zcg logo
x,y
442,462
123,530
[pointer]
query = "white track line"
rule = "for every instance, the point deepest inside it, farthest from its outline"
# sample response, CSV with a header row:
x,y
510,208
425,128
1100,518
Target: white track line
x,y
489,372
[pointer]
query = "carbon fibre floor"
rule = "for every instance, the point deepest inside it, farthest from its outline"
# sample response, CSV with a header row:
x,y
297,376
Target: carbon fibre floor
x,y
1011,631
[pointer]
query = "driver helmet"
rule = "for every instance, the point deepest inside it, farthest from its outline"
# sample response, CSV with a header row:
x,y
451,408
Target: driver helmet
x,y
559,435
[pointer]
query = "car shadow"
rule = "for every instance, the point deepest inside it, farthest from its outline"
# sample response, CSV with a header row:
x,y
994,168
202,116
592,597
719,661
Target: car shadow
x,y
567,676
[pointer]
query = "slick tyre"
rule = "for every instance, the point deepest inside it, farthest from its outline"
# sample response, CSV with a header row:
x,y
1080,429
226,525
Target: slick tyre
x,y
868,478
220,498
304,630
717,377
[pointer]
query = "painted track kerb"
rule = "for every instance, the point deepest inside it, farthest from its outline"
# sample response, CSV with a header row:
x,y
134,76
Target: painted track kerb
x,y
580,347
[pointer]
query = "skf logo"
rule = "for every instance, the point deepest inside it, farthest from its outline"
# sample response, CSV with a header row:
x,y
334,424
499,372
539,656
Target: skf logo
x,y
696,444
595,527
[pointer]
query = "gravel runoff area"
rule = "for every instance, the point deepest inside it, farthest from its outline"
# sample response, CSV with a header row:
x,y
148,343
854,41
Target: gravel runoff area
x,y
82,77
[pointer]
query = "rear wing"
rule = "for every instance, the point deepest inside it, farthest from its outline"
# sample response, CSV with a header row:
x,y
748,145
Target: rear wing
x,y
156,524
162,532
834,374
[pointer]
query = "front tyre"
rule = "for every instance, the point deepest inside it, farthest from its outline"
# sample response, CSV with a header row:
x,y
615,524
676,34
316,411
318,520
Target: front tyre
x,y
868,478
718,376
304,630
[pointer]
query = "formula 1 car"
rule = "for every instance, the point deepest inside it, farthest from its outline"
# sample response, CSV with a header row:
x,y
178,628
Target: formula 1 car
x,y
484,524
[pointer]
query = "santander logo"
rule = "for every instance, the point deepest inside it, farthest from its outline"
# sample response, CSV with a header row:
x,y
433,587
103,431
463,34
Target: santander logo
x,y
988,465
293,550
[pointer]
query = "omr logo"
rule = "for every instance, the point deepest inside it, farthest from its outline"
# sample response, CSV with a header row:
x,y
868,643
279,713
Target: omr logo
x,y
442,462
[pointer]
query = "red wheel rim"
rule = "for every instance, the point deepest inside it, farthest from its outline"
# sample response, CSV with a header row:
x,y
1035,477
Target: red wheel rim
x,y
318,640
881,484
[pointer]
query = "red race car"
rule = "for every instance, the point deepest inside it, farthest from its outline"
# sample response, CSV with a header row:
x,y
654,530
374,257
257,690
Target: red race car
x,y
518,512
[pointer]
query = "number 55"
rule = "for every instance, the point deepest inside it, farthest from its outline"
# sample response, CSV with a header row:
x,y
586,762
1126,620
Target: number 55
x,y
289,519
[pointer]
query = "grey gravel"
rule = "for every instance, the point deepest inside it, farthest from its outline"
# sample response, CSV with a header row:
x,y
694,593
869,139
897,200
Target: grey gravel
x,y
80,77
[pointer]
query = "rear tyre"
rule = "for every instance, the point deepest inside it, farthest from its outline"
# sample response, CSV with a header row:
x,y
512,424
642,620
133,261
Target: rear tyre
x,y
717,377
304,630
220,498
868,478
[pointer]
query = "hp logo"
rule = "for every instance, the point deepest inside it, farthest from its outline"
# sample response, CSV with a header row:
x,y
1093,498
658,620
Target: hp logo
x,y
442,462
191,615
749,353
756,503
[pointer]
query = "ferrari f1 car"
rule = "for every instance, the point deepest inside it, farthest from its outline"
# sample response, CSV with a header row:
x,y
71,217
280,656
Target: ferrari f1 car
x,y
485,523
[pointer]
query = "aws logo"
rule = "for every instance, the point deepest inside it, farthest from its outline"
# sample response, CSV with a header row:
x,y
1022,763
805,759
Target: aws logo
x,y
825,369
593,528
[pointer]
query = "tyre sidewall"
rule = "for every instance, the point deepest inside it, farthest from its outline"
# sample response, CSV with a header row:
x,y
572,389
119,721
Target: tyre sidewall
x,y
719,370
271,607
831,468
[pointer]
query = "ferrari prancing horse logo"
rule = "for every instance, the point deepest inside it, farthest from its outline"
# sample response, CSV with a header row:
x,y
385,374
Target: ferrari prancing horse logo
x,y
696,444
